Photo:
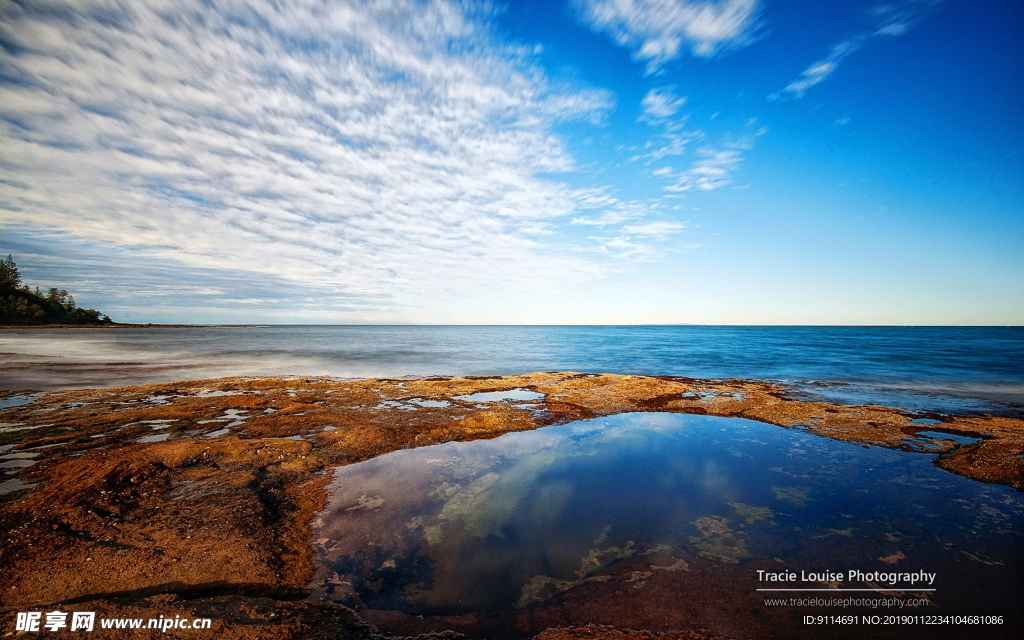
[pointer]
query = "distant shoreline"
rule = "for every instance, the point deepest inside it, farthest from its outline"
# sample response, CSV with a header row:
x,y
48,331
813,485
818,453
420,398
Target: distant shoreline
x,y
123,325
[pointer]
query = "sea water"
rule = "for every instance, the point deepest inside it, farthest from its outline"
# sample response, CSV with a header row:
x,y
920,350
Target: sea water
x,y
932,368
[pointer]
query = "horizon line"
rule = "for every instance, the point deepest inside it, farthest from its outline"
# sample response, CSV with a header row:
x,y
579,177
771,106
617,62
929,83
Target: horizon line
x,y
129,325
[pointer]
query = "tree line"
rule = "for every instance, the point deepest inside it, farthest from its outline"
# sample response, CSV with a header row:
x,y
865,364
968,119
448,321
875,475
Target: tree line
x,y
20,304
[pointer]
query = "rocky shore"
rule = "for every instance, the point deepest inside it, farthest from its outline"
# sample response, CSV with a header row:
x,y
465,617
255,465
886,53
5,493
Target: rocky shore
x,y
196,498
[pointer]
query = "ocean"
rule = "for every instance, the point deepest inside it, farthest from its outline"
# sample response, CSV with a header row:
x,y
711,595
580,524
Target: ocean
x,y
953,369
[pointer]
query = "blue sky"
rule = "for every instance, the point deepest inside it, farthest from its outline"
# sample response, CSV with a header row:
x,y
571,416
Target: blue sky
x,y
594,161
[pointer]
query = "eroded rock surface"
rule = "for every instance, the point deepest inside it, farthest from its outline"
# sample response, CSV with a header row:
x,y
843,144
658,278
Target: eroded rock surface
x,y
196,498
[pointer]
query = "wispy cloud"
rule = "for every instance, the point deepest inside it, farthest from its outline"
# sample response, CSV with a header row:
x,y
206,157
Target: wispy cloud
x,y
673,140
659,31
373,149
660,108
660,103
607,209
714,164
130,284
644,242
888,20
629,231
712,170
654,229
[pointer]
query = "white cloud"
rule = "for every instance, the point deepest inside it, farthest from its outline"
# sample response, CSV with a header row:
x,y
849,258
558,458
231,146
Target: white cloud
x,y
610,210
661,103
658,31
711,171
640,242
713,167
657,229
660,107
889,20
670,142
374,149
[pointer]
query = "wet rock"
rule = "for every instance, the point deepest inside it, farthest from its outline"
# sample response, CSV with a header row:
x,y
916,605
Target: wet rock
x,y
110,517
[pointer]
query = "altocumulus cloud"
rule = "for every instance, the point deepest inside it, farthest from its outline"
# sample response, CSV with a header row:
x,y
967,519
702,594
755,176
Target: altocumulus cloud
x,y
660,103
659,31
373,148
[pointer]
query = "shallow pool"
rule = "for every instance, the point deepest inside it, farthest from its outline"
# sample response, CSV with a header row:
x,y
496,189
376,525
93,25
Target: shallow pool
x,y
516,525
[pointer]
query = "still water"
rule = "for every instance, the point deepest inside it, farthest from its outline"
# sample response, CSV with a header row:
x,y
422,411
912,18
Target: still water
x,y
514,522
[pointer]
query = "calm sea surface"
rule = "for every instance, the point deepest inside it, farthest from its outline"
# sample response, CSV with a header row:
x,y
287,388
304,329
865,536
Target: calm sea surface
x,y
969,368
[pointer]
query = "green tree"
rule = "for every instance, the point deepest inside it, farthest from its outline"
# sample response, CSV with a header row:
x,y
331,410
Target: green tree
x,y
22,305
9,275
61,297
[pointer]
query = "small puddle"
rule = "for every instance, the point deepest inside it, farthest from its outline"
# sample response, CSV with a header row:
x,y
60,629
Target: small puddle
x,y
711,394
520,395
939,435
413,404
14,484
159,437
17,463
394,404
233,417
206,393
425,402
15,401
521,529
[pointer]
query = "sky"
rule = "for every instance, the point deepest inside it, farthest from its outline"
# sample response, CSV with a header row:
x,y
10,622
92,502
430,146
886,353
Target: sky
x,y
548,162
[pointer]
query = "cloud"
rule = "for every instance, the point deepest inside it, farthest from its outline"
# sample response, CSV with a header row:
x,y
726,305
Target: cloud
x,y
671,141
656,229
714,166
130,285
640,242
659,31
660,103
611,210
888,20
711,171
372,150
660,108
